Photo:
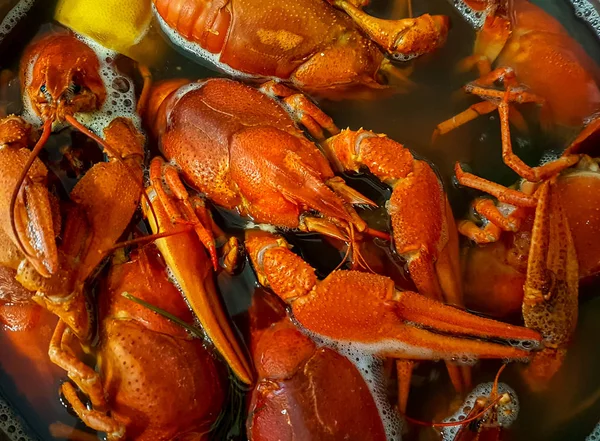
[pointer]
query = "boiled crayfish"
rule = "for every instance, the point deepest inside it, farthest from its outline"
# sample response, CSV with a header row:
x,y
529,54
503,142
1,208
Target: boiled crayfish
x,y
188,255
308,43
61,79
154,381
242,149
520,37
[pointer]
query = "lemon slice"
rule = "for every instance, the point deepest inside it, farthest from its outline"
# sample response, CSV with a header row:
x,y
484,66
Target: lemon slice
x,y
120,25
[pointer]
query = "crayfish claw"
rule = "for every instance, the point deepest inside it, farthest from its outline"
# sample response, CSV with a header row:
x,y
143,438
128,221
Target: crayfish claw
x,y
404,39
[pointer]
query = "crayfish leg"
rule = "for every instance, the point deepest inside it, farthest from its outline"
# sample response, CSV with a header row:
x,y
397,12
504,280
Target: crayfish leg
x,y
63,347
94,419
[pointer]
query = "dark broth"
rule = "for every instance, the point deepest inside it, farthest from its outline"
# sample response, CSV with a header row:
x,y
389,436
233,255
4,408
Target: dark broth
x,y
570,407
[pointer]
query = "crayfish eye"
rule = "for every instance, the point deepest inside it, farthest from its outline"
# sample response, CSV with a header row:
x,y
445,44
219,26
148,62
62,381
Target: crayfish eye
x,y
44,92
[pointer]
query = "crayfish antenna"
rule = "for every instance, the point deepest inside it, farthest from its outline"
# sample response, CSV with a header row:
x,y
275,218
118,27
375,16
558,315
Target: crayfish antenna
x,y
17,190
150,238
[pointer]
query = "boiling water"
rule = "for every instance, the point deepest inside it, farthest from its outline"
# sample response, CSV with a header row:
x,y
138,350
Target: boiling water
x,y
570,407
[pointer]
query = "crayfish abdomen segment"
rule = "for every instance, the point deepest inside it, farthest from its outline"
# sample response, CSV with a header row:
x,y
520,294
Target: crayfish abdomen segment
x,y
205,22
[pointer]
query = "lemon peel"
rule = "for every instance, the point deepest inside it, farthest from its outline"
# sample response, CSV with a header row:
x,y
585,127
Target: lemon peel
x,y
120,25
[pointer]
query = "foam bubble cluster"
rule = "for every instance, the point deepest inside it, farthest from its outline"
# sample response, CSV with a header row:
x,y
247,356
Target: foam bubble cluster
x,y
595,435
507,413
526,345
549,157
15,15
10,425
263,227
403,57
120,94
585,10
474,18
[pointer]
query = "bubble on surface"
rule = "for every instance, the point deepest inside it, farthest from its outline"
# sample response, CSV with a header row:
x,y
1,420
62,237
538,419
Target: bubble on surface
x,y
507,413
526,345
10,425
548,157
13,17
403,57
474,18
595,435
120,93
585,10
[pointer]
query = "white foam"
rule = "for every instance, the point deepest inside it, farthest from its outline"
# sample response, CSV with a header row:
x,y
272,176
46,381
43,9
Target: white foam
x,y
28,113
474,18
585,10
10,425
120,101
264,227
507,412
13,17
595,435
